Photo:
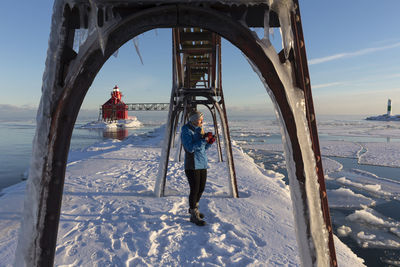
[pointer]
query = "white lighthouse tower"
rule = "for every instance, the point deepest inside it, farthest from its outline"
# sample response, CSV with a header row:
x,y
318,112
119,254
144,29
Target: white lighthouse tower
x,y
389,107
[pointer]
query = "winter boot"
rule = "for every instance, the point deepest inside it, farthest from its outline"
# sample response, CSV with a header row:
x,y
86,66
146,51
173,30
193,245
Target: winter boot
x,y
195,217
201,215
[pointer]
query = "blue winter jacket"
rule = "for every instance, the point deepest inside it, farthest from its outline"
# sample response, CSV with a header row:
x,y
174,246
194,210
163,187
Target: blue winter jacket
x,y
195,147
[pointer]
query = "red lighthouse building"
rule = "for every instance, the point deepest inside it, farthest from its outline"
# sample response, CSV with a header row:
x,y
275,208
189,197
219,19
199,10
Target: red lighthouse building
x,y
115,109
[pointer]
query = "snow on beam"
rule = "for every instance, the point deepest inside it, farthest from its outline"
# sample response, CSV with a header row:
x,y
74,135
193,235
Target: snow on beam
x,y
29,248
312,232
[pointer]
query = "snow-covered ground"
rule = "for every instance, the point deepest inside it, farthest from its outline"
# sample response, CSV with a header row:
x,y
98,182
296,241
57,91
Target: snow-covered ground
x,y
131,122
111,218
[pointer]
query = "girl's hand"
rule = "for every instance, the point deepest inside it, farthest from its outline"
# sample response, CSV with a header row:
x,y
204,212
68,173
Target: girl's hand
x,y
209,137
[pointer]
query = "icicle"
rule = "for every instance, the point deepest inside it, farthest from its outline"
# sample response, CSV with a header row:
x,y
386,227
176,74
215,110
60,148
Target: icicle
x,y
243,19
77,39
136,44
83,36
95,26
116,53
156,32
266,27
283,9
271,32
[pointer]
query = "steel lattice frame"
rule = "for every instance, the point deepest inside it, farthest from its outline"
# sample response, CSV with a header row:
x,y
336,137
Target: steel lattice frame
x,y
72,74
196,81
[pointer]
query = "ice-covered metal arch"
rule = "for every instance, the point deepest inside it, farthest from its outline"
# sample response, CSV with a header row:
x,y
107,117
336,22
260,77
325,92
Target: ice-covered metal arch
x,y
67,79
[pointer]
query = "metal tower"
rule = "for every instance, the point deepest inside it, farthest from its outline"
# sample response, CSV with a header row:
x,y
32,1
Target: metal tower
x,y
196,81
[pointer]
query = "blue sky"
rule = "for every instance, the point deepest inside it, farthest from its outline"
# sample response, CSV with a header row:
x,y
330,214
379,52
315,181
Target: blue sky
x,y
353,48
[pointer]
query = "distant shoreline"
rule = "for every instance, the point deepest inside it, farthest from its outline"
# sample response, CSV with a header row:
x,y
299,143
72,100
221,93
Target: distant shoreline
x,y
384,117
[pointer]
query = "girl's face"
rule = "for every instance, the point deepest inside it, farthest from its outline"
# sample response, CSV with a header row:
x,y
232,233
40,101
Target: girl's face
x,y
199,122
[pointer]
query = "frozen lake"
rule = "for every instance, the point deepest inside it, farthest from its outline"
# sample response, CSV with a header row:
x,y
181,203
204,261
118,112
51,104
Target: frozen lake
x,y
361,166
361,161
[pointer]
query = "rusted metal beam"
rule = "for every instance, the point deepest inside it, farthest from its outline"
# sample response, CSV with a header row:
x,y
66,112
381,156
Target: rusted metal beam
x,y
200,47
228,146
255,13
218,85
201,65
214,61
254,18
303,82
199,75
196,51
198,36
177,58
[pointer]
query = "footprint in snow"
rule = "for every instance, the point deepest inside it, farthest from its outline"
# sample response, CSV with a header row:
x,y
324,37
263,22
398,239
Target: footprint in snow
x,y
136,262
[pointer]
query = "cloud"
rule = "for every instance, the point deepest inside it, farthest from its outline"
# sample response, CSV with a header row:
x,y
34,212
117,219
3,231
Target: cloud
x,y
368,82
352,54
323,85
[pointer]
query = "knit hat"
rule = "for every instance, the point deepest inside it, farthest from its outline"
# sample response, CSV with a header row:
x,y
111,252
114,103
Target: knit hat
x,y
195,116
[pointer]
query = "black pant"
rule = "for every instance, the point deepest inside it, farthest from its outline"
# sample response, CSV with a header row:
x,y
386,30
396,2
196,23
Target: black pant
x,y
197,182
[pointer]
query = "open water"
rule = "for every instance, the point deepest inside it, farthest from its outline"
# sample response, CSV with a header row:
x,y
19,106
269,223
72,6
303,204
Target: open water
x,y
16,145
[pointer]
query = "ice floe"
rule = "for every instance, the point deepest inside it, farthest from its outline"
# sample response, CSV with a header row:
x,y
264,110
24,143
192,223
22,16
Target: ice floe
x,y
377,231
363,180
340,149
369,228
383,154
344,230
369,216
346,198
331,165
